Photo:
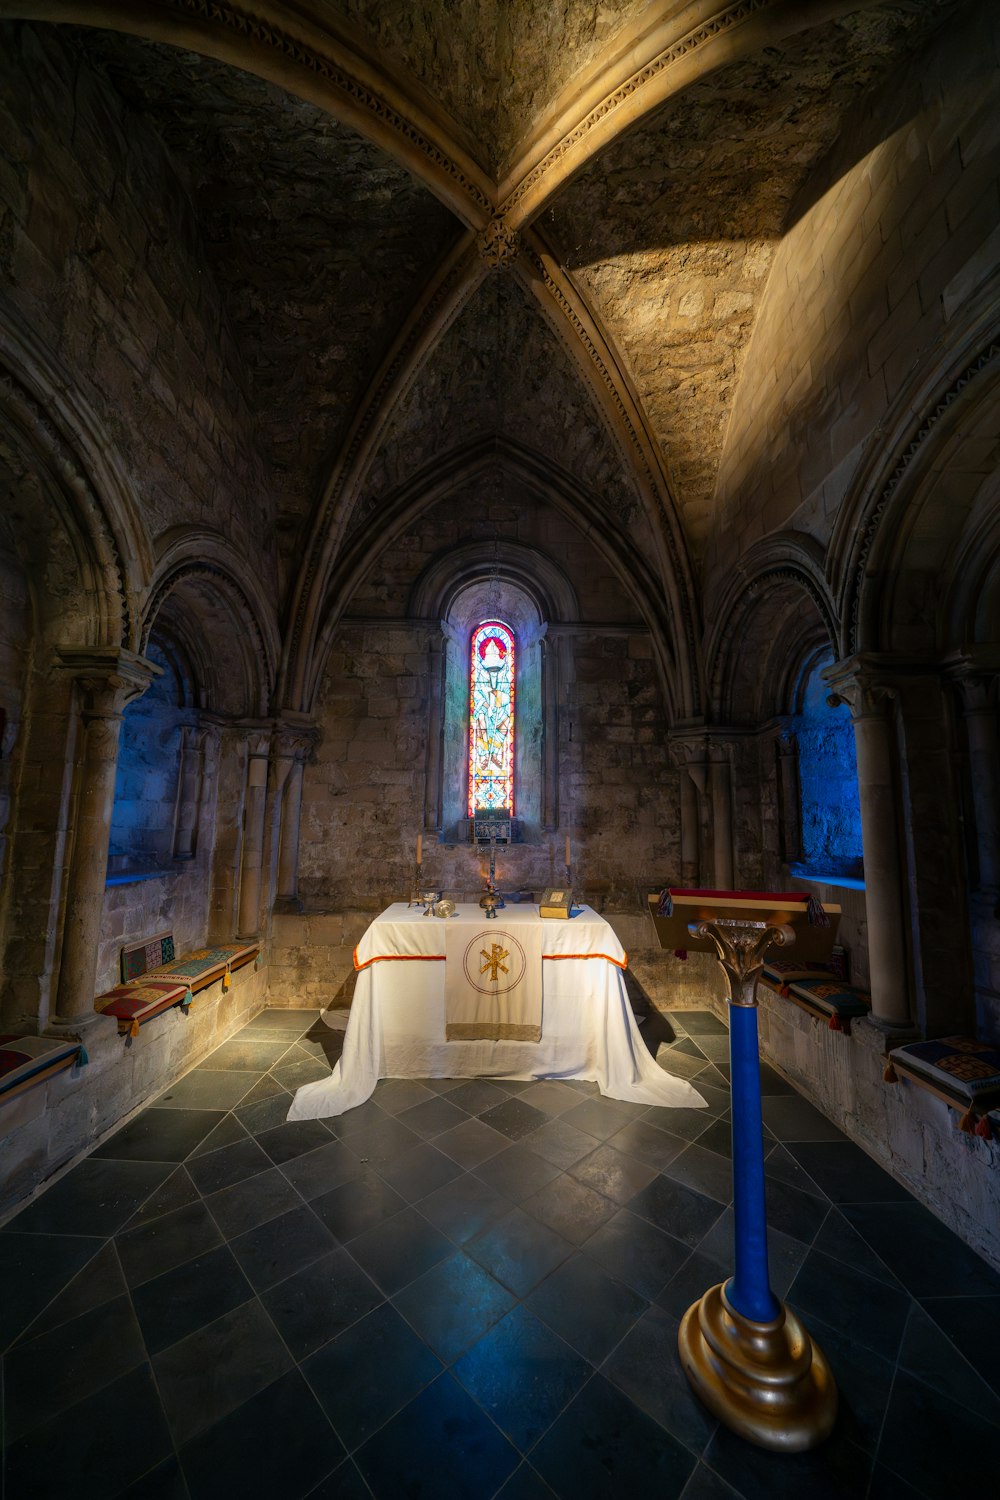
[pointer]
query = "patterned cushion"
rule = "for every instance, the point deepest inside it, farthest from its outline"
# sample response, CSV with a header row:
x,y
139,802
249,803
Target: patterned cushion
x,y
142,958
785,971
27,1060
132,1004
958,1064
839,1003
205,965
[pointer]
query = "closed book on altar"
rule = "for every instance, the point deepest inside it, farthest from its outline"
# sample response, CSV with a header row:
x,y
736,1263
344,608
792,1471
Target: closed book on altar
x,y
556,902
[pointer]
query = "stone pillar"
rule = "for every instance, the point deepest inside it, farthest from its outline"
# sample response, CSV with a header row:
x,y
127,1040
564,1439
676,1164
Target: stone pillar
x,y
292,750
979,703
689,755
106,682
189,779
870,702
254,808
550,732
433,820
722,819
689,830
789,800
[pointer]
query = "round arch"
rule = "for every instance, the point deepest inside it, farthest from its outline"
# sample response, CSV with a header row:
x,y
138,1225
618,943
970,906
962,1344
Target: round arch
x,y
203,599
774,617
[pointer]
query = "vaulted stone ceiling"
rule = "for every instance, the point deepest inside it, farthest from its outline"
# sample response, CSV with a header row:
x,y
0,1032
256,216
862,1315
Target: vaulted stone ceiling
x,y
644,159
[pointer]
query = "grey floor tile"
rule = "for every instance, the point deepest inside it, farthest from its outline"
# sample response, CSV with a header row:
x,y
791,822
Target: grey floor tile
x,y
223,1169
437,1433
604,1445
209,1089
95,1198
97,1283
523,1375
517,1172
792,1118
471,1143
320,1301
47,1374
160,1135
95,1448
282,1246
419,1172
318,1172
452,1305
238,1455
369,1372
637,1253
252,1202
464,1206
166,1241
212,1372
519,1251
613,1174
34,1269
645,1366
401,1249
178,1303
570,1207
587,1307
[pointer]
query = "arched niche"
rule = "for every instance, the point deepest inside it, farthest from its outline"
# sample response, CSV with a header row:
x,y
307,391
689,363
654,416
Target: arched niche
x,y
775,634
830,848
469,605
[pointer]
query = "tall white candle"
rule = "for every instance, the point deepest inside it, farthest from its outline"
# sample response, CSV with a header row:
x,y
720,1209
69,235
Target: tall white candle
x,y
567,848
420,848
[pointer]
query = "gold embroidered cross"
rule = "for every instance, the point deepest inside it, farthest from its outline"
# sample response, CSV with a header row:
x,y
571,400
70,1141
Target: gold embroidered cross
x,y
494,961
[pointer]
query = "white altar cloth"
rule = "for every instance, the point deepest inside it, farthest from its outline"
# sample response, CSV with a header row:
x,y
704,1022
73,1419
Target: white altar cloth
x,y
397,1022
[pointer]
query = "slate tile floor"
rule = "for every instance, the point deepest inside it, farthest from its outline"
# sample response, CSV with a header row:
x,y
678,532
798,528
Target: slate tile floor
x,y
468,1289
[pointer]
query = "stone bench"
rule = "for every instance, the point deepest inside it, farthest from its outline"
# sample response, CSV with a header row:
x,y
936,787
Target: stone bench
x,y
819,991
26,1061
155,980
962,1071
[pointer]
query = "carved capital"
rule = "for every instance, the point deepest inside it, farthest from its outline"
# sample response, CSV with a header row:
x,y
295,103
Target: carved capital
x,y
860,684
108,678
979,694
498,244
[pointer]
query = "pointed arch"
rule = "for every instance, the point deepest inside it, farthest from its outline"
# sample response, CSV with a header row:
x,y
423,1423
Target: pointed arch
x,y
544,480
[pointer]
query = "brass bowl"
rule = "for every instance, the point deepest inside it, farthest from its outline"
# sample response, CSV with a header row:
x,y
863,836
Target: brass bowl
x,y
444,908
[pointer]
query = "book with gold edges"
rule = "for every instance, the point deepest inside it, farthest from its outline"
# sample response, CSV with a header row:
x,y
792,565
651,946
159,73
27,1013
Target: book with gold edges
x,y
556,902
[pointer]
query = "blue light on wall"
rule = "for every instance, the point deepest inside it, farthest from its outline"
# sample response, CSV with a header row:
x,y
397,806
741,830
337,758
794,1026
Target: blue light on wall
x,y
828,782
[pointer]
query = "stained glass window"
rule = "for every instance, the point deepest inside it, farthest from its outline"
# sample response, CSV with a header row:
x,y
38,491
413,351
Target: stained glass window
x,y
491,718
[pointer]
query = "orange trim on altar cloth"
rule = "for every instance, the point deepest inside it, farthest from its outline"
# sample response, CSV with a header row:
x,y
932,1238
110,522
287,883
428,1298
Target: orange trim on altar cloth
x,y
399,958
619,963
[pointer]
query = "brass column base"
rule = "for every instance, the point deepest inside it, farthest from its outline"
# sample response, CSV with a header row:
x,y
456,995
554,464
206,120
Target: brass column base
x,y
768,1382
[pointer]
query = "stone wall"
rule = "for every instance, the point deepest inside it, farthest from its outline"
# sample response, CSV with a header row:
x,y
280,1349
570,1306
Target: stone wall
x,y
101,260
47,1126
904,1128
15,636
897,235
364,795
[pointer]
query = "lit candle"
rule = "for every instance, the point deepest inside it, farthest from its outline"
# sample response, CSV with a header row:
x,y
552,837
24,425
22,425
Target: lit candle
x,y
420,848
567,848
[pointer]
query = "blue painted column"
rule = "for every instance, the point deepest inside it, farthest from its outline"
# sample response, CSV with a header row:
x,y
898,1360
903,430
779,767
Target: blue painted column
x,y
749,1291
